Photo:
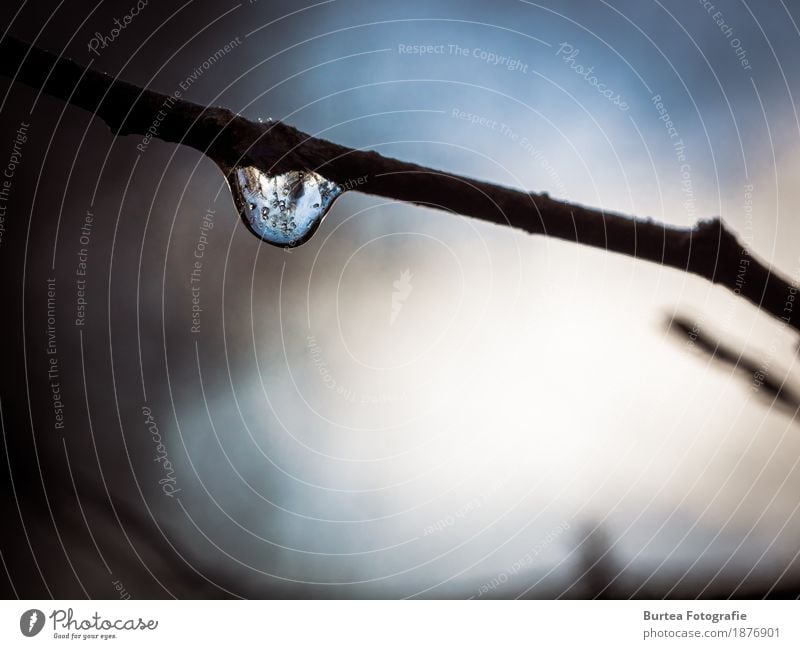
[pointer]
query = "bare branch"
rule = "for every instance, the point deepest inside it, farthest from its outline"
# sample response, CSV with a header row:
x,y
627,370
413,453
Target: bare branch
x,y
762,379
709,250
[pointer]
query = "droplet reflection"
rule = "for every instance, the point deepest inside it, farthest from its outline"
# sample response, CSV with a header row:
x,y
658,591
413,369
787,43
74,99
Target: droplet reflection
x,y
284,210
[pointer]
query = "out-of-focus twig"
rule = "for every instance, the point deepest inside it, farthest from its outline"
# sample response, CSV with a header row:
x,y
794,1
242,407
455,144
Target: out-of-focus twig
x,y
758,375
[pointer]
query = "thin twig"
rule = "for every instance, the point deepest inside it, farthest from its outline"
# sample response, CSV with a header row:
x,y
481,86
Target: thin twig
x,y
764,381
709,249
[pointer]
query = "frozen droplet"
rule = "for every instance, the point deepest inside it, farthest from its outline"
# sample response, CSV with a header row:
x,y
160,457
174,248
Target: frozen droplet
x,y
306,199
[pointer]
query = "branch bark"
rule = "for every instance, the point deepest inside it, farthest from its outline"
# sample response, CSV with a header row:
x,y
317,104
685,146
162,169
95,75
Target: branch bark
x,y
709,249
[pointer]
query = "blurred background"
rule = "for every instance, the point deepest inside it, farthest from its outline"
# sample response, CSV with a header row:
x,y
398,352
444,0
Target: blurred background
x,y
412,404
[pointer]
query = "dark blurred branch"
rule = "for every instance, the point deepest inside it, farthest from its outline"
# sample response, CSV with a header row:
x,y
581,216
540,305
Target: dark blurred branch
x,y
709,249
759,376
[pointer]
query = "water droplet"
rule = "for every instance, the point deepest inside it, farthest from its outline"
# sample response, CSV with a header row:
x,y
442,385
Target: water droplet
x,y
308,197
